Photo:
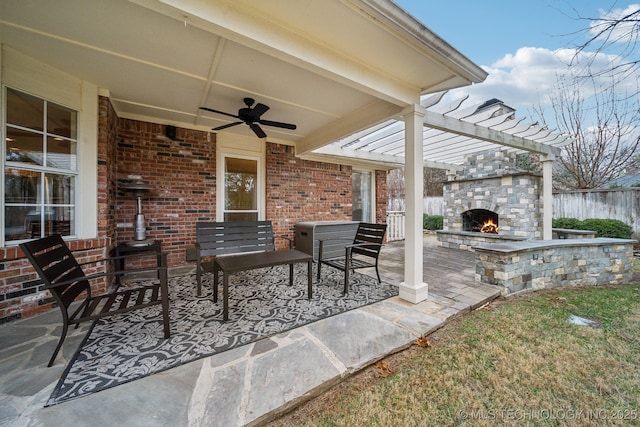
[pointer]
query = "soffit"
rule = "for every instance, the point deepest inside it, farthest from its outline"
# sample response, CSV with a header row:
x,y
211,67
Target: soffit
x,y
331,67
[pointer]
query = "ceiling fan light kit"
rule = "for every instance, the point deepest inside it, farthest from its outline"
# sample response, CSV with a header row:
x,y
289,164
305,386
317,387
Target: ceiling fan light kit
x,y
251,117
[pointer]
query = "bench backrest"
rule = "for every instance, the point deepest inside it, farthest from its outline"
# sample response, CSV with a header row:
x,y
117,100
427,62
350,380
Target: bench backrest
x,y
232,237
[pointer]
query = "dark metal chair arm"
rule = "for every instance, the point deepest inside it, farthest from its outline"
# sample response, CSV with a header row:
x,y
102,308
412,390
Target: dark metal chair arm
x,y
286,238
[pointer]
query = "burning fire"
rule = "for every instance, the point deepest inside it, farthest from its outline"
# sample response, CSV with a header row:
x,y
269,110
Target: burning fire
x,y
489,227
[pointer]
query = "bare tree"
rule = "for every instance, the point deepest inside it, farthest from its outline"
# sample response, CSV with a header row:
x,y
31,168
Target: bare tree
x,y
614,34
602,123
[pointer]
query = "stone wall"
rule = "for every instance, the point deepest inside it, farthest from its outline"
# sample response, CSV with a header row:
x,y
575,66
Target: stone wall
x,y
555,263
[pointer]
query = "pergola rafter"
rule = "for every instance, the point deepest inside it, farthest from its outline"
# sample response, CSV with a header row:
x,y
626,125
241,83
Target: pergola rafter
x,y
451,131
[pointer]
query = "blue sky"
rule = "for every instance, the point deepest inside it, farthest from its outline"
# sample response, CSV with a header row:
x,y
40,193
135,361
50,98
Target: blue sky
x,y
521,43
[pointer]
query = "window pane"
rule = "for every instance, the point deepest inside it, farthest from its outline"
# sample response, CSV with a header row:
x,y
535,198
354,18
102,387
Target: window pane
x,y
24,146
58,220
16,224
61,121
241,191
61,153
21,186
25,110
59,189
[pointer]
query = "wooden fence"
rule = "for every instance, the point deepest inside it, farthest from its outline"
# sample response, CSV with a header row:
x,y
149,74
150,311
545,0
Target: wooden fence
x,y
620,203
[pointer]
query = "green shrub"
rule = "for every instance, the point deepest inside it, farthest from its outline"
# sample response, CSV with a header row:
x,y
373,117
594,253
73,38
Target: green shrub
x,y
602,227
569,223
608,228
432,222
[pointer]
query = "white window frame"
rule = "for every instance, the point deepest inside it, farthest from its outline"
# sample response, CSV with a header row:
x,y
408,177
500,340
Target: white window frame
x,y
26,74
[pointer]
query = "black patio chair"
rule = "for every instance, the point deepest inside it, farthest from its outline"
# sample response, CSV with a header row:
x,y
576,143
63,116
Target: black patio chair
x,y
64,277
362,253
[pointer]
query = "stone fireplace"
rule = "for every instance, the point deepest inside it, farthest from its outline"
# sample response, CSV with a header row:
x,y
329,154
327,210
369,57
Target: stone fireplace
x,y
491,200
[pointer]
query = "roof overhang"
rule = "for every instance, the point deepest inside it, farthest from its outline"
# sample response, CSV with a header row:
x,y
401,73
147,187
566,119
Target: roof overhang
x,y
331,67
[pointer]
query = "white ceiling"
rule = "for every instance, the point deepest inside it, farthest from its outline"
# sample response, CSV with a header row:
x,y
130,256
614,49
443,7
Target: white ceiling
x,y
331,67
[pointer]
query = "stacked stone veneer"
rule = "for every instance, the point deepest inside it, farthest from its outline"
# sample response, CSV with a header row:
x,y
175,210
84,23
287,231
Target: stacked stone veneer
x,y
492,181
555,263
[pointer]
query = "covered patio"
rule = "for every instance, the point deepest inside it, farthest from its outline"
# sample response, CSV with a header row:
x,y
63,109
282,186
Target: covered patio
x,y
237,387
152,65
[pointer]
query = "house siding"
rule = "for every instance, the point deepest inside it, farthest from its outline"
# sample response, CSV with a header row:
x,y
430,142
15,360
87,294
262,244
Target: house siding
x,y
182,173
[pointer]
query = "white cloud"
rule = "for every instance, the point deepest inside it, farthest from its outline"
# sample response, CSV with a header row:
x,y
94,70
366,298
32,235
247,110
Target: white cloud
x,y
526,79
609,28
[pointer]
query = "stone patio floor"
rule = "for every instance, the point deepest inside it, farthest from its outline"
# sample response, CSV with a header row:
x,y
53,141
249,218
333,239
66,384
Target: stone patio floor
x,y
248,385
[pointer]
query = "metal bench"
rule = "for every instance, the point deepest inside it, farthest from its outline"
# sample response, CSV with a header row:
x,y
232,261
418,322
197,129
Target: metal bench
x,y
240,246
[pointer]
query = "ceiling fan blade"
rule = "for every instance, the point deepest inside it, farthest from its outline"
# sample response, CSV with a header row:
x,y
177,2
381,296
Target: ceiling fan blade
x,y
219,112
228,125
257,130
277,124
259,110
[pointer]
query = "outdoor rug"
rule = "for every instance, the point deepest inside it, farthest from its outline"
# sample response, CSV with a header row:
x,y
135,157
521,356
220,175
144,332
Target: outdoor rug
x,y
128,347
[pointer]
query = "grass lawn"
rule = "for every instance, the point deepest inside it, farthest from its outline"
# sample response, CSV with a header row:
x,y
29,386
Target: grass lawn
x,y
516,362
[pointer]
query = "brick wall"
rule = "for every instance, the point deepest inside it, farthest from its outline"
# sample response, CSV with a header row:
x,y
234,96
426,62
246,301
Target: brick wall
x,y
20,290
182,173
301,190
107,167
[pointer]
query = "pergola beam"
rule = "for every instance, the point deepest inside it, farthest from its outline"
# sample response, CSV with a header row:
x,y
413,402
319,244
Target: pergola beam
x,y
471,130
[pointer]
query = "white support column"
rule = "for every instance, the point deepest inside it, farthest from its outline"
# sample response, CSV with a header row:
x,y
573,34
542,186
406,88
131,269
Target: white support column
x,y
547,195
413,289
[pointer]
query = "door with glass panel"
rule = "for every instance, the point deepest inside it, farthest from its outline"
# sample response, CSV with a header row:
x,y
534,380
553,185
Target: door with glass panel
x,y
361,196
241,189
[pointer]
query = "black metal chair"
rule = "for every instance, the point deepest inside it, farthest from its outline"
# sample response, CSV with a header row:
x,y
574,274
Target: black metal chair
x,y
64,277
362,253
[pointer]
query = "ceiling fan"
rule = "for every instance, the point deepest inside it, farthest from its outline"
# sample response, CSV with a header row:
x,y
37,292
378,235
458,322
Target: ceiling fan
x,y
251,117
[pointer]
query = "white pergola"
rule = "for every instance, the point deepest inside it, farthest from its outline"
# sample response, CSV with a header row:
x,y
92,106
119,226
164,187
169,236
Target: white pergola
x,y
439,135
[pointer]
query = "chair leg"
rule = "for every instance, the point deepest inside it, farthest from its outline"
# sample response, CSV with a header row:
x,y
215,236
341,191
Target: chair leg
x,y
347,268
63,335
198,274
346,281
165,302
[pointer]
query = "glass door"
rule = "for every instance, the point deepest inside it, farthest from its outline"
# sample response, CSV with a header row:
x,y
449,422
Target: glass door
x,y
362,196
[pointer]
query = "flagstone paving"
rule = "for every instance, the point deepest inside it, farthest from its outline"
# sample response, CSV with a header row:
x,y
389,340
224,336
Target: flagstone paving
x,y
248,385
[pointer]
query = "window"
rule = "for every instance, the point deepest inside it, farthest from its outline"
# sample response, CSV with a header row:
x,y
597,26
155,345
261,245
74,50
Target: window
x,y
40,167
240,189
362,198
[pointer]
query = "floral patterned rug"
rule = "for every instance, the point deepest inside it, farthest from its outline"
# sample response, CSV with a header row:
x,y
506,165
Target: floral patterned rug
x,y
124,348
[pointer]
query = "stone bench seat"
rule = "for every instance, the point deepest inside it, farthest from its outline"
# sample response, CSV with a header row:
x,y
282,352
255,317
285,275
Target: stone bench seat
x,y
540,264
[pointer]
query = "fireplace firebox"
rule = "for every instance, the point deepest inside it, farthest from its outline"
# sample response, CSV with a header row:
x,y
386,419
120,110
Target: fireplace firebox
x,y
480,221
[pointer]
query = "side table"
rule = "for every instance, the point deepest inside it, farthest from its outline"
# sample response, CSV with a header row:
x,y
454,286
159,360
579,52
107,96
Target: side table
x,y
136,246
